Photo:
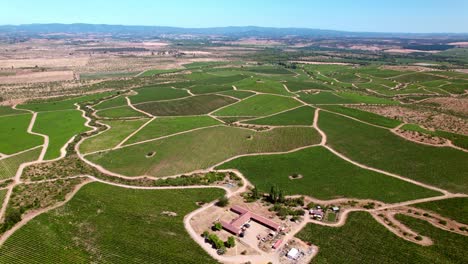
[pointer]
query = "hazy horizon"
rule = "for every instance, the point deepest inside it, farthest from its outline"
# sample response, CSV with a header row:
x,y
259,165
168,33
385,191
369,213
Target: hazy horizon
x,y
359,16
169,26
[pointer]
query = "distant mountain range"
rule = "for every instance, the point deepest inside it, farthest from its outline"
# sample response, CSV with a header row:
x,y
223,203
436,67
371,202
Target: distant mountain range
x,y
249,31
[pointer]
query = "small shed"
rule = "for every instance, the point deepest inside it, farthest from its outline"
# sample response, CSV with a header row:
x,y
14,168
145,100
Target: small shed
x,y
335,209
277,244
293,253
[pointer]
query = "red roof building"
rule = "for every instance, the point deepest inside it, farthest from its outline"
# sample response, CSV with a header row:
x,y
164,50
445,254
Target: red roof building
x,y
235,226
277,244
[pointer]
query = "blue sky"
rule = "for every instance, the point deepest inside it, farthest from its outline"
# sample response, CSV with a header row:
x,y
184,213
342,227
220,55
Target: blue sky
x,y
352,15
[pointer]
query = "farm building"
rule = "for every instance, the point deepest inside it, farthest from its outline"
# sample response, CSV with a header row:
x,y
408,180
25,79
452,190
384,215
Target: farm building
x,y
235,226
277,244
293,253
317,214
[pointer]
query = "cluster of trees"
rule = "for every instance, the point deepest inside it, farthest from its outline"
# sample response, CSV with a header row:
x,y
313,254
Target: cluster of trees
x,y
276,195
283,211
218,243
288,65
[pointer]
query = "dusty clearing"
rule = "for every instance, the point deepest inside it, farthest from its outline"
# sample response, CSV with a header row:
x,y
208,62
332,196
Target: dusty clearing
x,y
407,51
38,77
365,47
320,63
422,138
44,62
406,68
253,41
155,44
459,105
460,44
426,118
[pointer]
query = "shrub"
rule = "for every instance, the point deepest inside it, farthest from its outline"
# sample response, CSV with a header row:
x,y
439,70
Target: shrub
x,y
293,202
216,241
217,226
255,194
295,218
222,202
442,222
419,238
231,242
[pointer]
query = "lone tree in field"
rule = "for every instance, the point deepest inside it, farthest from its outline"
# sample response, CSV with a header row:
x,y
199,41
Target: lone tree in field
x,y
222,202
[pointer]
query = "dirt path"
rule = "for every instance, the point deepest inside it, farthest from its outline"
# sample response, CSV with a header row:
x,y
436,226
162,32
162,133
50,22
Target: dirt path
x,y
315,125
324,140
228,96
16,179
228,191
287,89
134,132
32,214
262,257
139,74
277,113
396,227
446,144
387,173
129,103
423,200
5,156
158,101
167,136
355,119
188,91
46,138
322,143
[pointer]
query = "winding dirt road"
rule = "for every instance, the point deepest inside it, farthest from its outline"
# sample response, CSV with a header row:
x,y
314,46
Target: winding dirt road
x,y
262,257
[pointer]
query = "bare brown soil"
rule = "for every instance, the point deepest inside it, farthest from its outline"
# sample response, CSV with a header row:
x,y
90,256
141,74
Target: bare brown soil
x,y
38,77
460,44
295,177
388,220
366,47
426,118
321,63
459,105
406,68
169,213
422,138
254,41
44,62
406,51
